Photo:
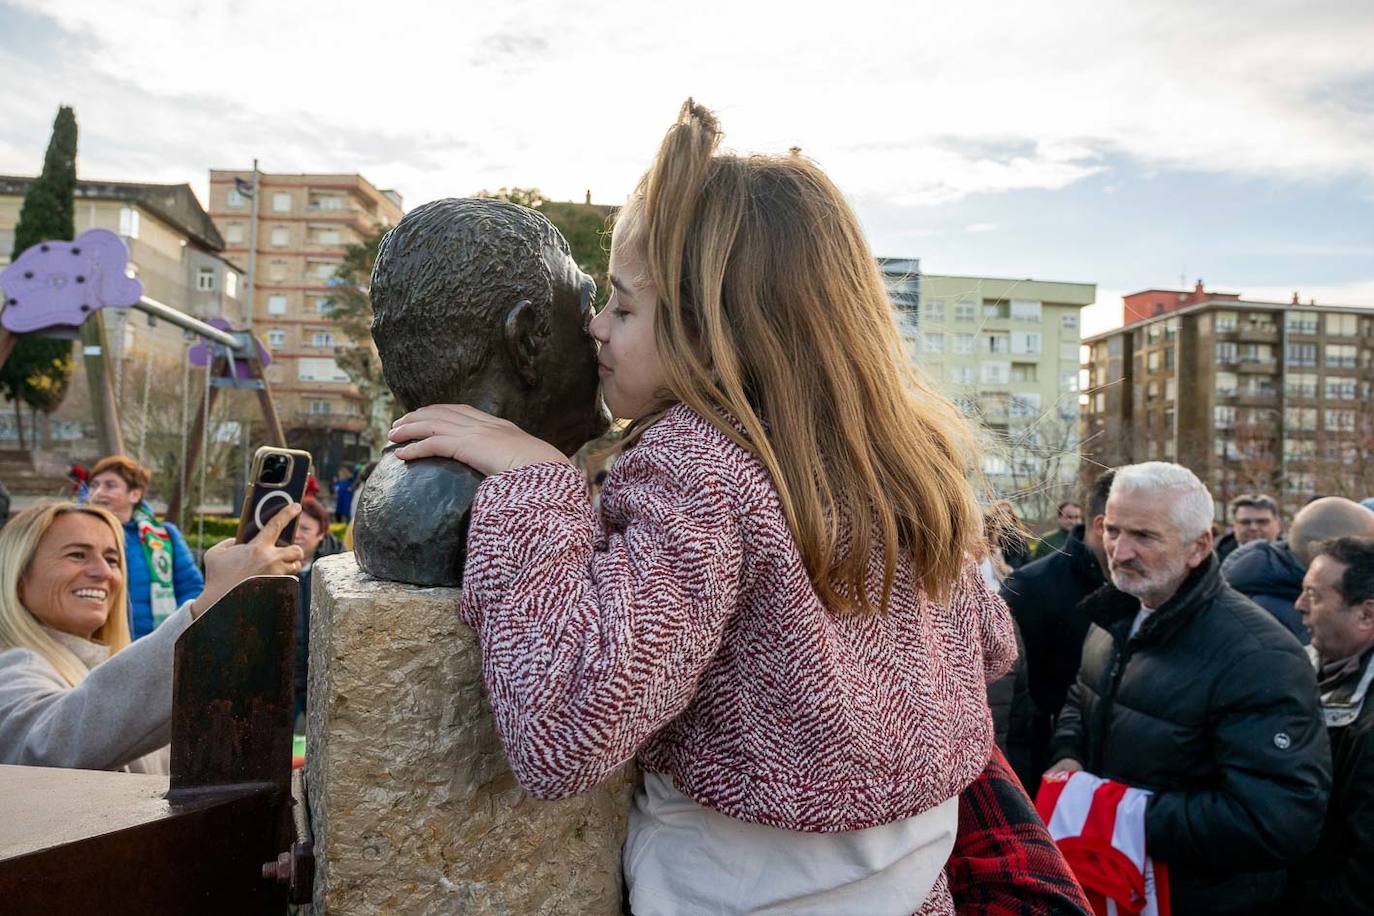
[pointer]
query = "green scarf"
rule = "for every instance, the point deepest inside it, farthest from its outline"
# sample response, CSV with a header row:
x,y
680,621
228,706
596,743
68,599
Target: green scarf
x,y
157,553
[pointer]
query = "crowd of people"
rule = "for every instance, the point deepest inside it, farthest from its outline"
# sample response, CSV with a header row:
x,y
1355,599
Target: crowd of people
x,y
1226,676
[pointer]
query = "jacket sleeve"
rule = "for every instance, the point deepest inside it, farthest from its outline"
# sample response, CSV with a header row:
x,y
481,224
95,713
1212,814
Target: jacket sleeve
x,y
186,577
1070,736
1035,636
587,648
1004,862
973,600
1271,747
1347,884
120,712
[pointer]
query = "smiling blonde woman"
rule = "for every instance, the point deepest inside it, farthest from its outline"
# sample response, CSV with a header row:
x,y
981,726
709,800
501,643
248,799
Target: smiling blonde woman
x,y
74,692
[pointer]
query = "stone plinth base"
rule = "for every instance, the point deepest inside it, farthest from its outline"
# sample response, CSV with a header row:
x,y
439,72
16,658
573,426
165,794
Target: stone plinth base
x,y
413,807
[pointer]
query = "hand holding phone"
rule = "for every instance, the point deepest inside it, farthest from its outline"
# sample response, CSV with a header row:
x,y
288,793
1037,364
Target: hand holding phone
x,y
277,481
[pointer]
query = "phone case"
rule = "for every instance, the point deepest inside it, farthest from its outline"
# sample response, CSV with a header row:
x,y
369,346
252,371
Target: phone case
x,y
264,500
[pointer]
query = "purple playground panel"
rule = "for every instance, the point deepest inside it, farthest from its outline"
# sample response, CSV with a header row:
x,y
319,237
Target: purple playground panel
x,y
58,284
200,352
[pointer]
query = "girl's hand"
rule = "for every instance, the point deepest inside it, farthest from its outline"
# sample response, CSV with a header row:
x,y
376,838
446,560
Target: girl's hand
x,y
487,444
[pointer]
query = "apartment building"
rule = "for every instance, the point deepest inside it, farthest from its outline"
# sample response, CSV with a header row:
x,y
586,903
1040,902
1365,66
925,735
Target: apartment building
x,y
177,253
1253,396
1007,351
902,279
304,224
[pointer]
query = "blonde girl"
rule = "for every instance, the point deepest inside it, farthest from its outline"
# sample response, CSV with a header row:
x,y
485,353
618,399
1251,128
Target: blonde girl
x,y
775,610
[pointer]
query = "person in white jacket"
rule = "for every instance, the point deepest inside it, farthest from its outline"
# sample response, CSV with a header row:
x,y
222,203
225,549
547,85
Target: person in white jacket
x,y
74,691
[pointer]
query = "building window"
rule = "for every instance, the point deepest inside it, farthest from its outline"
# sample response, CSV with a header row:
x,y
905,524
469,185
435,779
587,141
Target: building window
x,y
1342,325
965,311
128,222
1024,372
1100,402
1301,354
997,343
1339,421
962,375
1226,384
319,370
1170,390
996,308
1300,322
1025,342
281,236
234,200
1339,388
1300,384
205,280
1152,361
1068,380
1025,310
276,271
276,304
995,373
233,233
1256,354
328,237
1024,405
281,202
276,339
963,343
1303,419
319,408
324,306
1224,417
231,284
1341,356
934,310
1068,322
1225,322
934,343
326,202
322,339
1227,352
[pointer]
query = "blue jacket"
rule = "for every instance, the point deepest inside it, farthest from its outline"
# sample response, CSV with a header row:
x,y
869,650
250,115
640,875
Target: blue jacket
x,y
186,577
1270,575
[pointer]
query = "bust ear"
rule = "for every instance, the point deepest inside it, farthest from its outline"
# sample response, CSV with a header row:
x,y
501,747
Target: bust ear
x,y
521,345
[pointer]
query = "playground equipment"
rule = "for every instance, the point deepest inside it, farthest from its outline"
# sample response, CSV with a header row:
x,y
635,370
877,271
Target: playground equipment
x,y
59,289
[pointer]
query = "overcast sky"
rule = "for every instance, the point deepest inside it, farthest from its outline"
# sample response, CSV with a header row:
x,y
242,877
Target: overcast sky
x,y
1121,143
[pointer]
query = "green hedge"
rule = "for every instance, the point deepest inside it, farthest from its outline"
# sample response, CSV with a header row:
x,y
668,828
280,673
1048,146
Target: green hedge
x,y
219,527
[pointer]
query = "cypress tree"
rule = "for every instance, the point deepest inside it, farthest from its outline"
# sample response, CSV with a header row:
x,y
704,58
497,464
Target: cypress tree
x,y
40,368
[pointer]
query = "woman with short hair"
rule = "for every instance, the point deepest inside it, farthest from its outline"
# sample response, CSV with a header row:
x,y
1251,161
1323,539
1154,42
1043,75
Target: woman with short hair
x,y
74,691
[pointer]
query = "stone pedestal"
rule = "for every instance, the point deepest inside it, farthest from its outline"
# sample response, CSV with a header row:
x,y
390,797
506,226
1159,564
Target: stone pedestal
x,y
413,807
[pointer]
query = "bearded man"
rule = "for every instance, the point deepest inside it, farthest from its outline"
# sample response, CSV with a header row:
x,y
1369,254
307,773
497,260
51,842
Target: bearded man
x,y
1190,690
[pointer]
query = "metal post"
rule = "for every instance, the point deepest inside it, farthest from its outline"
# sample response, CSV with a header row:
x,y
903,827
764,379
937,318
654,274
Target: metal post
x,y
252,251
95,348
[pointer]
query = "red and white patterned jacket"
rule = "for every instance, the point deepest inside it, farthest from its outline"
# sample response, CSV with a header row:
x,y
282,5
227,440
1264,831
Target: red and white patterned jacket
x,y
681,626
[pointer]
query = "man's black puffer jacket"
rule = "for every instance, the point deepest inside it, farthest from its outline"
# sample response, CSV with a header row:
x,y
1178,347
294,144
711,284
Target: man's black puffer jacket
x,y
1213,706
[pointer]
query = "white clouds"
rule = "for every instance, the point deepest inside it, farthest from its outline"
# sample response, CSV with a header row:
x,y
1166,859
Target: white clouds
x,y
922,103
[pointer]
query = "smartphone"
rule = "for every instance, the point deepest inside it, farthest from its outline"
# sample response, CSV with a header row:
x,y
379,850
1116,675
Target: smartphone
x,y
277,480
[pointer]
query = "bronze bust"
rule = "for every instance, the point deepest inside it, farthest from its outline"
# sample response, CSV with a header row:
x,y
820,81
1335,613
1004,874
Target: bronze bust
x,y
474,302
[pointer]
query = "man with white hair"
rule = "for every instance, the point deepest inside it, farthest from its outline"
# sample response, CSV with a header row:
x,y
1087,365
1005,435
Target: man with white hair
x,y
1190,690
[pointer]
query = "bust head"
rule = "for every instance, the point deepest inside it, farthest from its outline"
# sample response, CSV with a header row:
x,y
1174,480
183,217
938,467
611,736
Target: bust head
x,y
474,302
479,302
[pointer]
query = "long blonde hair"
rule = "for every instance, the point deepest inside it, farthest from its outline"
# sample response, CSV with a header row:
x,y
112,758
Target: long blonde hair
x,y
19,629
771,308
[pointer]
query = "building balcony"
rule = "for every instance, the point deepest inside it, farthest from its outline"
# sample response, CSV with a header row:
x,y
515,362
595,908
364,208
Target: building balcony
x,y
1256,335
1256,364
